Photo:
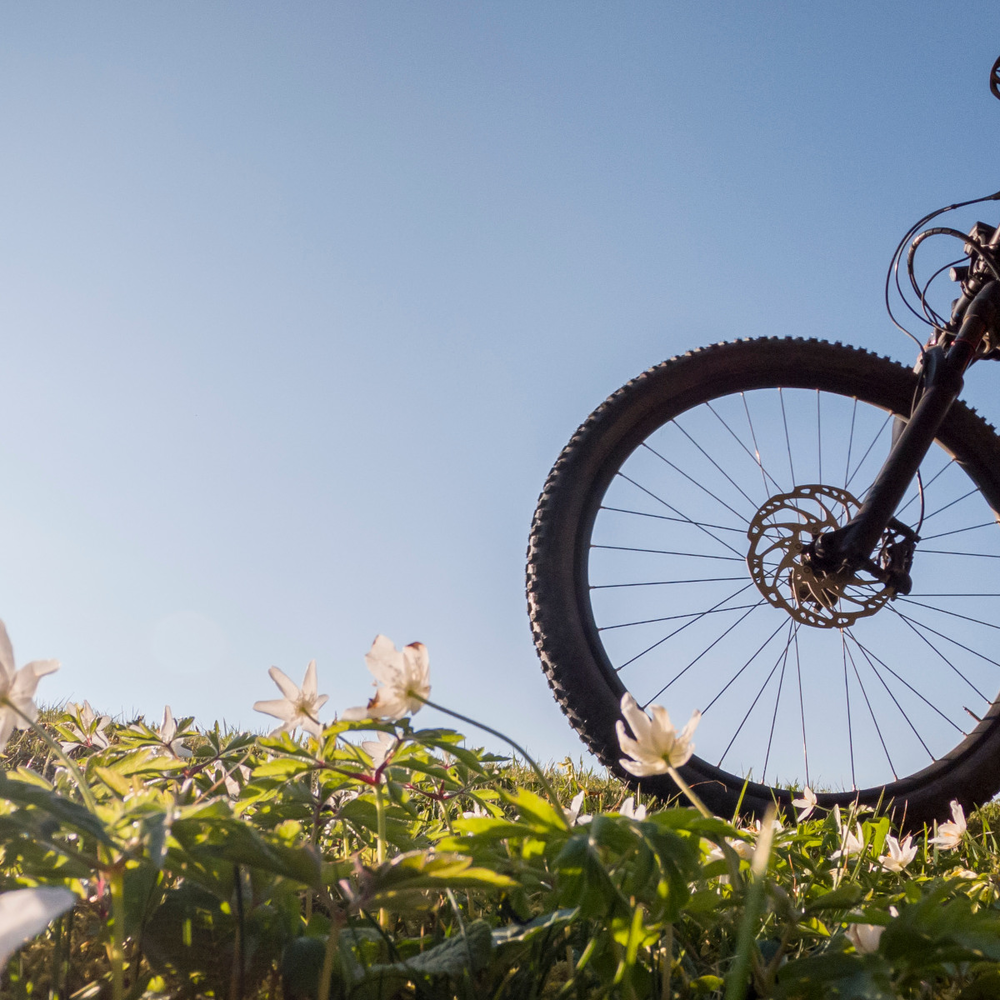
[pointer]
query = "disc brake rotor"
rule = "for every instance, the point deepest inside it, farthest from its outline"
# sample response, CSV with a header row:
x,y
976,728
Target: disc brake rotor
x,y
779,534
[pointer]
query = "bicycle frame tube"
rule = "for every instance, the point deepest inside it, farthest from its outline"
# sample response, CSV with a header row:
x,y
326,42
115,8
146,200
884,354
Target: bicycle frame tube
x,y
855,542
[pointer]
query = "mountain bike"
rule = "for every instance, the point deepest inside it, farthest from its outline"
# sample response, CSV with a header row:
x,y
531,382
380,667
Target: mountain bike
x,y
800,539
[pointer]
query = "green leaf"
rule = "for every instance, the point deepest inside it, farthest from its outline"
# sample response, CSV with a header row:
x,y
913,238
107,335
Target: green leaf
x,y
452,957
282,767
843,897
65,811
118,783
403,881
536,810
234,841
519,933
707,984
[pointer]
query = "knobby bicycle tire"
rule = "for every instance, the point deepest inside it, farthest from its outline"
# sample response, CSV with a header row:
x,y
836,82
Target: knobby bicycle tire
x,y
759,377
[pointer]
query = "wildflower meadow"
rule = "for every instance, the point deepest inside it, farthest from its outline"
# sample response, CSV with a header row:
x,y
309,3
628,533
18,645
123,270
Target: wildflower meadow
x,y
356,856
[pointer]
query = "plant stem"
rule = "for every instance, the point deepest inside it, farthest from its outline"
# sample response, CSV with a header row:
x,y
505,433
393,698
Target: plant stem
x,y
667,960
88,798
380,842
753,903
116,879
688,791
553,798
330,951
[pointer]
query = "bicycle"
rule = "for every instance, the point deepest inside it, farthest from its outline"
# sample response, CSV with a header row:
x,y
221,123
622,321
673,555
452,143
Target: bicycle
x,y
801,539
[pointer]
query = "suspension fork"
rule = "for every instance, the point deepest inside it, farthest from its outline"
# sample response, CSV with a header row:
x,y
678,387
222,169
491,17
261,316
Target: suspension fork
x,y
851,546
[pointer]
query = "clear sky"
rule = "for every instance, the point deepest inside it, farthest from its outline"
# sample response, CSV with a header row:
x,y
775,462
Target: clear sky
x,y
299,302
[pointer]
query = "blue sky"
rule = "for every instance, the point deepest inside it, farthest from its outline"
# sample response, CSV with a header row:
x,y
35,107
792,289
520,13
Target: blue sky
x,y
300,302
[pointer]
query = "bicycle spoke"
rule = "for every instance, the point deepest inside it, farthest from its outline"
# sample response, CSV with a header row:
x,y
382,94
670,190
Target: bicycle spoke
x,y
713,461
850,728
666,583
913,626
666,552
971,555
941,510
819,437
958,531
788,441
676,520
944,468
753,705
700,486
717,610
755,454
732,679
953,614
777,700
802,708
683,517
875,440
850,441
871,712
912,622
868,658
681,629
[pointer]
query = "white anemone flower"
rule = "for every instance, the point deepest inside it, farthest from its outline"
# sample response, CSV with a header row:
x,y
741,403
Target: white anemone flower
x,y
402,677
299,708
89,726
657,745
26,912
379,750
17,688
852,843
899,854
573,815
167,731
865,937
806,804
950,833
631,811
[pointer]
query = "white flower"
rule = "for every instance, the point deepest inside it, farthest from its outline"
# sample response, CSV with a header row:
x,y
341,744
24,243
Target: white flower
x,y
404,676
476,812
227,778
805,805
89,727
573,816
17,688
299,707
630,810
166,731
776,827
25,912
853,843
379,750
743,848
900,854
657,745
865,937
950,834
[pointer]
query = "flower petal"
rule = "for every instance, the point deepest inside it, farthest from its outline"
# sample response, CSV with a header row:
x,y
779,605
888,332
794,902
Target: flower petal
x,y
284,682
309,681
637,719
280,708
26,912
6,653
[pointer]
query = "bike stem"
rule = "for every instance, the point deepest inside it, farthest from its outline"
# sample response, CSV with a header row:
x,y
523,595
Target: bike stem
x,y
853,544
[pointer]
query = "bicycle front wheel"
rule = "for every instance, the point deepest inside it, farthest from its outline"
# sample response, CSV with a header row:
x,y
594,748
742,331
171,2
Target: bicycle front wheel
x,y
662,561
